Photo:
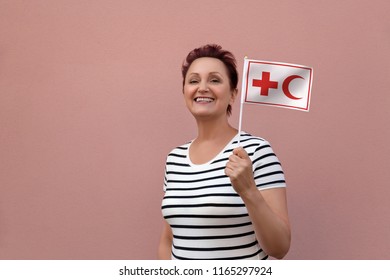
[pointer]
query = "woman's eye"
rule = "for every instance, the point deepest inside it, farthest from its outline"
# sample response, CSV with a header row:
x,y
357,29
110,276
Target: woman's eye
x,y
193,81
215,81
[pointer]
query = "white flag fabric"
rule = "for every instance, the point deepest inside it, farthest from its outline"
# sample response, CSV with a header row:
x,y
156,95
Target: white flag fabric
x,y
276,84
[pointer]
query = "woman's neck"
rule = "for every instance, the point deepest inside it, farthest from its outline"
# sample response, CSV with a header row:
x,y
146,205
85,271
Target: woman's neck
x,y
215,130
212,138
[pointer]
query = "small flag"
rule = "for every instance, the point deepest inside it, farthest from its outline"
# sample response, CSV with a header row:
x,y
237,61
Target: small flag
x,y
277,84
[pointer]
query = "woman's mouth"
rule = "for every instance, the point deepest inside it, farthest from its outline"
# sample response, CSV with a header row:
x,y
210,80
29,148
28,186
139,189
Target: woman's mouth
x,y
203,99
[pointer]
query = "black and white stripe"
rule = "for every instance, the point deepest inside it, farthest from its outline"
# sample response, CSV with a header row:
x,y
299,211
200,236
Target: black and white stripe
x,y
208,218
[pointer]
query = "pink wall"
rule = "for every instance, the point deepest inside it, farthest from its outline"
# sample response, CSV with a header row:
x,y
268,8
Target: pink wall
x,y
90,104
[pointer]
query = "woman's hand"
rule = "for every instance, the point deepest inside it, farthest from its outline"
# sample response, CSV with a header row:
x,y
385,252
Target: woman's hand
x,y
239,170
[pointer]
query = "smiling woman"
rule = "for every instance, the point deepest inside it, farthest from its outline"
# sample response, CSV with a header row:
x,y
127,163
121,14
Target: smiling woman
x,y
207,89
221,201
214,51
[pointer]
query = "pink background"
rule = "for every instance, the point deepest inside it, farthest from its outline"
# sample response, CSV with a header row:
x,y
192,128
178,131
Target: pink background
x,y
90,105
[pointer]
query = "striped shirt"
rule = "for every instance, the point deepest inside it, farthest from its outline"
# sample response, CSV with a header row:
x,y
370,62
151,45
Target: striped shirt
x,y
208,218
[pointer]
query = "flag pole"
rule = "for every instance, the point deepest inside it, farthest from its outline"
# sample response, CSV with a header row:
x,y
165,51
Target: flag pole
x,y
240,122
242,98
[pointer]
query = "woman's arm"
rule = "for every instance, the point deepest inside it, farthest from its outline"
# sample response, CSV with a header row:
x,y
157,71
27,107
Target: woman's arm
x,y
268,212
267,209
165,246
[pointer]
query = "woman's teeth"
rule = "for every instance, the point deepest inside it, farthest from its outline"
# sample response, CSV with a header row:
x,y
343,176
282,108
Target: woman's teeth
x,y
204,99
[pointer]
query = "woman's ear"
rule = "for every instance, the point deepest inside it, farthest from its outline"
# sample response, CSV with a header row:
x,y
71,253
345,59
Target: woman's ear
x,y
234,96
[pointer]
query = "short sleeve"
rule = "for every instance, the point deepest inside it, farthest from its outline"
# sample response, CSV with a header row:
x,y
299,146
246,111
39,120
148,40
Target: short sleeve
x,y
165,178
267,170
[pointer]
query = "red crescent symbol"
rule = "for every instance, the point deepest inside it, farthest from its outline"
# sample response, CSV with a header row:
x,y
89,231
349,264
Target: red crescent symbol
x,y
285,85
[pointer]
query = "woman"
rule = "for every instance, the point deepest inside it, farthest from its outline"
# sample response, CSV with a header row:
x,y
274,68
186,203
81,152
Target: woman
x,y
221,201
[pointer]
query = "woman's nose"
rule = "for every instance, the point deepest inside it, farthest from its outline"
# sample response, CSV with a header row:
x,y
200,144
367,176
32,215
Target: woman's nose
x,y
203,87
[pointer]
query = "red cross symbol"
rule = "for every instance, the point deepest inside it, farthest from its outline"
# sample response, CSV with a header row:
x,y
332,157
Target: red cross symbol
x,y
265,83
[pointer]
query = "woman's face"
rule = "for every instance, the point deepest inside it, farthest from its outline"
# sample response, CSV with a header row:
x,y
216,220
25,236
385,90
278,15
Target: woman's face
x,y
206,90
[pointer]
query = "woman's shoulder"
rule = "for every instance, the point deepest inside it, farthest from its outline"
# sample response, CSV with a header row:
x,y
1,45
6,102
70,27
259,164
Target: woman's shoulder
x,y
179,150
249,139
255,145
